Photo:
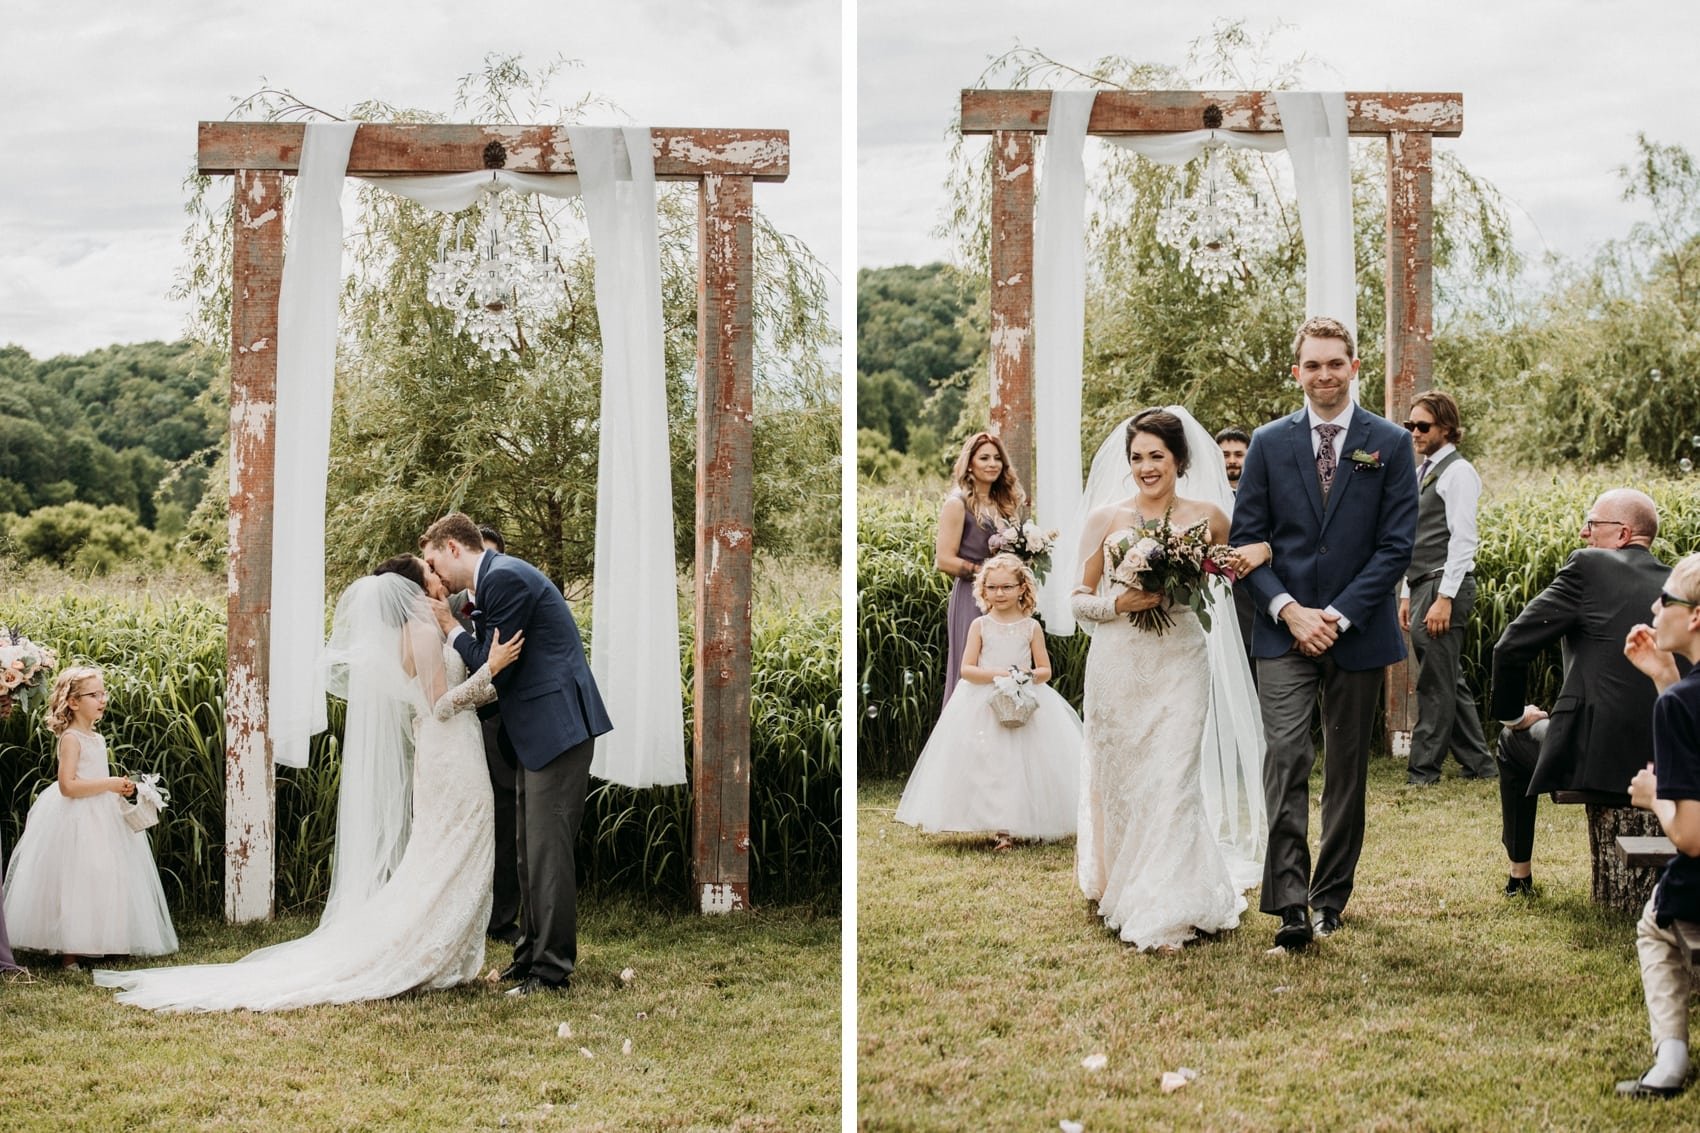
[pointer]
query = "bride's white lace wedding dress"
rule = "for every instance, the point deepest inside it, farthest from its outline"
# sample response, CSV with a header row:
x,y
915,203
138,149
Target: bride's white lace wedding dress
x,y
1147,853
424,928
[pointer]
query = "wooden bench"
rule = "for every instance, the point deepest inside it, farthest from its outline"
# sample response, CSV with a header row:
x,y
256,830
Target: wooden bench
x,y
1650,853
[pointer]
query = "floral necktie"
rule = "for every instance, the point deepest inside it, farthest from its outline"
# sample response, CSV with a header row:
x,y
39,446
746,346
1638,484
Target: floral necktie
x,y
1325,456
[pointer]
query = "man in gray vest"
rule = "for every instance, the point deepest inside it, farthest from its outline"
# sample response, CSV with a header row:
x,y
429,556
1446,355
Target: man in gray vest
x,y
1440,589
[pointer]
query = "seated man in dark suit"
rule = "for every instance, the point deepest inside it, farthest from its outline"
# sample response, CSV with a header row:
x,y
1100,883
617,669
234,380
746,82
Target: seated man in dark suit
x,y
1600,729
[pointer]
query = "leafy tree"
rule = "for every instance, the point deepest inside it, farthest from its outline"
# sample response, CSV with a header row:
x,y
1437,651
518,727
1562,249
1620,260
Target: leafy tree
x,y
918,345
425,422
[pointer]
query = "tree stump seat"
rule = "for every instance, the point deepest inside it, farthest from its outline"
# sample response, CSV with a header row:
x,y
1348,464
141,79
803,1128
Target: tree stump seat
x,y
1653,853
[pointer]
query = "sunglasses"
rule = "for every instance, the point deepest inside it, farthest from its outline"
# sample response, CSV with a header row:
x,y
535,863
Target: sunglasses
x,y
1666,598
1419,427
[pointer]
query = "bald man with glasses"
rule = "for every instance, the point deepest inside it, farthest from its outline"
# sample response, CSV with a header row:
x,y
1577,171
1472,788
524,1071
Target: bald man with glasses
x,y
1599,732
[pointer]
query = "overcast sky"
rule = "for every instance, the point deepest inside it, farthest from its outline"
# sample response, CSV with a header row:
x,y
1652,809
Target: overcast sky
x,y
1554,90
99,102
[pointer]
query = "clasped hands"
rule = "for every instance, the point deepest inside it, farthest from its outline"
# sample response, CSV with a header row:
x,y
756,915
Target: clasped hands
x,y
1314,631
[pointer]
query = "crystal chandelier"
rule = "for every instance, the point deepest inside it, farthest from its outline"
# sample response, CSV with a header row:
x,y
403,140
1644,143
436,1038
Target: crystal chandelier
x,y
1218,229
491,283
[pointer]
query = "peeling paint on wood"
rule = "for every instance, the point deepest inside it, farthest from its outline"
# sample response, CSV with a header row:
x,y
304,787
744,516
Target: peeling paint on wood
x,y
725,525
1011,354
728,898
1368,114
412,147
249,808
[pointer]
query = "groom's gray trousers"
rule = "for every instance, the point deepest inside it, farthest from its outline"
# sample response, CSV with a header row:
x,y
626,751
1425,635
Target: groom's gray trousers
x,y
548,811
1287,690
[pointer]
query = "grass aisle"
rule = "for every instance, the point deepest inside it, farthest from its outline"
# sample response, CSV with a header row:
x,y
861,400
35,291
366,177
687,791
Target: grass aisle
x,y
733,1023
984,980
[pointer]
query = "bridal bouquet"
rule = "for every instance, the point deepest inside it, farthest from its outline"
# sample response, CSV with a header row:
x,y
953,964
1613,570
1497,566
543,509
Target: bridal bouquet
x,y
24,668
1028,542
1178,564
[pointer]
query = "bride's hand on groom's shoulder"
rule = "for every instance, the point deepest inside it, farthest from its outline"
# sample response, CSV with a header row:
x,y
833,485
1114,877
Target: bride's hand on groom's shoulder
x,y
502,653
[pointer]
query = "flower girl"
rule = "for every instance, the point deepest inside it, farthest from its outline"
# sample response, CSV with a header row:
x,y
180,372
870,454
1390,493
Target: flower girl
x,y
81,882
985,768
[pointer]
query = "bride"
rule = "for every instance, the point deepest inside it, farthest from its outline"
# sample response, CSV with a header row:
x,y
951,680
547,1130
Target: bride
x,y
398,918
1172,826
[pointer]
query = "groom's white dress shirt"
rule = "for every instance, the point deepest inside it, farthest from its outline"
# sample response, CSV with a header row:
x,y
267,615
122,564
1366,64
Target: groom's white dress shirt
x,y
472,590
1343,419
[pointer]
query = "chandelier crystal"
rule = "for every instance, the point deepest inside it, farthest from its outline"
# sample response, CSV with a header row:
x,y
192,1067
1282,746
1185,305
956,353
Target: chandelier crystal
x,y
1218,229
491,283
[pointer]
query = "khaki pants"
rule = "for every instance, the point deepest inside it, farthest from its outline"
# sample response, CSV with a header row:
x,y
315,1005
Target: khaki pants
x,y
1664,977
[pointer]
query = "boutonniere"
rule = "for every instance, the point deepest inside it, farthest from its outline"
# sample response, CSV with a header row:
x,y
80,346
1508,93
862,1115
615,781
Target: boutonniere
x,y
1366,461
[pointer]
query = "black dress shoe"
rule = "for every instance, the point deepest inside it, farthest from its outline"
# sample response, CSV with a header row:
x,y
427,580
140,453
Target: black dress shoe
x,y
1519,887
515,971
1295,930
1636,1088
534,985
1326,922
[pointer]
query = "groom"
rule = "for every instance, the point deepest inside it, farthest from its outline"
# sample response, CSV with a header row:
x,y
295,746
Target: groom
x,y
551,714
1333,491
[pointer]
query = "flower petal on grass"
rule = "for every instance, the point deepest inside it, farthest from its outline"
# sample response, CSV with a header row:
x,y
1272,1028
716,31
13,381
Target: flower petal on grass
x,y
1068,1126
584,1050
1095,1061
564,1031
626,1047
627,976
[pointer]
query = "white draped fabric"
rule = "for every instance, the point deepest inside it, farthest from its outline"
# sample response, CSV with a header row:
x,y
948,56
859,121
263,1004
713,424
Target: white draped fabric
x,y
1314,124
634,644
451,192
641,683
1059,321
1178,149
306,370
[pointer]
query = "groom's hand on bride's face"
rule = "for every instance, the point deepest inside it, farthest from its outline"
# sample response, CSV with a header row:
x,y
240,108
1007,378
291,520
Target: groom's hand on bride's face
x,y
445,620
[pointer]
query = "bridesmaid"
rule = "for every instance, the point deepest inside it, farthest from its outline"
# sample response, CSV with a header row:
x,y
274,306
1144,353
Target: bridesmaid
x,y
984,489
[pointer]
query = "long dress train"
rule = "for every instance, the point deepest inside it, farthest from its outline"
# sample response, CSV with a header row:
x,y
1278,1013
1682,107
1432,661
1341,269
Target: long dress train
x,y
423,929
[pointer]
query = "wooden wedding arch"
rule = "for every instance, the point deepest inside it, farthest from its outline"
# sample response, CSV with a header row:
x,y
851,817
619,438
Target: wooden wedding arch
x,y
1408,121
725,164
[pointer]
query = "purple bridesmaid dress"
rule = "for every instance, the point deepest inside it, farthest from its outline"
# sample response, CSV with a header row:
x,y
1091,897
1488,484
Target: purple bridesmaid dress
x,y
963,611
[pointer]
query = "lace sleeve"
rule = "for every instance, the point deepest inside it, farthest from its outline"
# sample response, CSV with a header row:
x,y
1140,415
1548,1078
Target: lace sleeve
x,y
1093,607
470,693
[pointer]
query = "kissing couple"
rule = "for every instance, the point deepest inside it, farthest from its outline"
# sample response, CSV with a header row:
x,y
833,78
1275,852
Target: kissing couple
x,y
411,886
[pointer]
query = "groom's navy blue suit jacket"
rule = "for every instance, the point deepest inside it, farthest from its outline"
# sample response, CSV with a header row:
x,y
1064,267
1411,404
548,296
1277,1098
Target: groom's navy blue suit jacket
x,y
1349,555
547,697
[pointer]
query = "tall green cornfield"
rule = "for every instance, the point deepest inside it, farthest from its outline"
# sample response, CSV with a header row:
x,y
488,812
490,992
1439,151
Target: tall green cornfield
x,y
164,666
1526,535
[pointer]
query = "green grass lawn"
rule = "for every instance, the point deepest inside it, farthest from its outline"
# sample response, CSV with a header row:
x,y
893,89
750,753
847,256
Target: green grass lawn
x,y
733,1023
984,980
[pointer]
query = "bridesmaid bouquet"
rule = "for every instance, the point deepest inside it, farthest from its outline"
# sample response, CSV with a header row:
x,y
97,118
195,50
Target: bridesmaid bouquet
x,y
24,669
1028,542
1178,564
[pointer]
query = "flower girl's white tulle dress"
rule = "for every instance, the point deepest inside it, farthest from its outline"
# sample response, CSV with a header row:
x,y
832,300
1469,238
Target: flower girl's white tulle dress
x,y
976,775
81,882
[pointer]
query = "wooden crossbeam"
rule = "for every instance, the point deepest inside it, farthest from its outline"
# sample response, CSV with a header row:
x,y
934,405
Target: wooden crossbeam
x,y
404,147
1175,111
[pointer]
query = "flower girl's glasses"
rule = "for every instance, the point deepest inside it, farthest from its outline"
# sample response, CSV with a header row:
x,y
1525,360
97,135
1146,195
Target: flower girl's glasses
x,y
1001,589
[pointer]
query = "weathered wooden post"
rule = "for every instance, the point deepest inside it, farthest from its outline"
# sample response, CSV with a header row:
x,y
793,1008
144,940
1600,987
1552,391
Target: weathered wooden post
x,y
1011,375
725,543
250,810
